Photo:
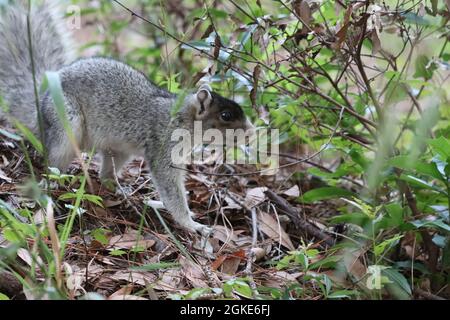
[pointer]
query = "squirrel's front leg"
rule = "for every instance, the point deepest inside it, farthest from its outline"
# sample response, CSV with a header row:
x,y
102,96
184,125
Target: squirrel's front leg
x,y
169,182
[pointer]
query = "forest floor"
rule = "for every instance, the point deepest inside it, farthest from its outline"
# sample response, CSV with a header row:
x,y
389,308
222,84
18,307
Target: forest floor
x,y
118,247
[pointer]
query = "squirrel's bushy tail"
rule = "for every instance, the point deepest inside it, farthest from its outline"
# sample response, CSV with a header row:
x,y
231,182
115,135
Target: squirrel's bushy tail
x,y
50,50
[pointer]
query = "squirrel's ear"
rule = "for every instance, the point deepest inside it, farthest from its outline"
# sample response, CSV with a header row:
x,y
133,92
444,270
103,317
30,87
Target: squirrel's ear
x,y
204,97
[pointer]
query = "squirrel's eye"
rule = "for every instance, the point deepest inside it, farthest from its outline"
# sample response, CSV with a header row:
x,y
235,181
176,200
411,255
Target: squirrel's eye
x,y
226,116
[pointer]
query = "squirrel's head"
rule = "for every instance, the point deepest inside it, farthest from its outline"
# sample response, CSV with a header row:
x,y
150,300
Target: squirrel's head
x,y
217,112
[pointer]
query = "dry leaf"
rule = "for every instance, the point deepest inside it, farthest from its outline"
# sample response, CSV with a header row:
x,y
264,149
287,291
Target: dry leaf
x,y
354,266
239,255
125,290
27,258
258,253
273,230
231,204
194,273
141,278
231,265
129,241
293,192
38,217
231,238
342,33
376,43
303,10
255,196
278,279
3,176
111,203
171,280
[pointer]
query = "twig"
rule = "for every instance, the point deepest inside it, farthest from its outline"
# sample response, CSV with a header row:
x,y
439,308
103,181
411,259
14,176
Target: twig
x,y
428,295
299,221
250,252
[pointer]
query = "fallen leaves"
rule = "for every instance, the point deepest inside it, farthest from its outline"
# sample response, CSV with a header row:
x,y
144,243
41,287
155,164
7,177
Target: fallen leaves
x,y
112,254
135,277
129,241
272,228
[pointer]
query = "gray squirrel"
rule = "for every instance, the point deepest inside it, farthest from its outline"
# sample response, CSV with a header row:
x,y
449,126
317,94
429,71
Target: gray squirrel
x,y
109,105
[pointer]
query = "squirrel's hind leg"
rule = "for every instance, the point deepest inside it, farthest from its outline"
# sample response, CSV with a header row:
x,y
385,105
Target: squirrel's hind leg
x,y
112,160
60,150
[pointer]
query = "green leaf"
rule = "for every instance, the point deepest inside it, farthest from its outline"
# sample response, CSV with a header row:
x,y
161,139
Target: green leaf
x,y
340,172
328,262
407,264
396,92
196,293
242,288
420,183
117,252
434,7
325,193
53,82
30,137
11,235
357,218
3,297
424,68
302,259
358,157
176,107
398,279
440,145
218,13
227,289
285,262
341,294
94,199
100,235
67,196
394,216
386,244
405,163
429,169
438,223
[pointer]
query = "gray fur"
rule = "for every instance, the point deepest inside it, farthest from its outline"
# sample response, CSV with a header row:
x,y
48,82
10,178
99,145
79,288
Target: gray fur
x,y
110,106
51,51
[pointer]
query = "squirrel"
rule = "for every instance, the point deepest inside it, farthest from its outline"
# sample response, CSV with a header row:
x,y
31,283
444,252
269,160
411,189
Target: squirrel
x,y
110,106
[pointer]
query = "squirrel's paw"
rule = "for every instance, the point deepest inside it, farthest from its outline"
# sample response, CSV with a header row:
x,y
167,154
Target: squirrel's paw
x,y
193,226
204,230
192,214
